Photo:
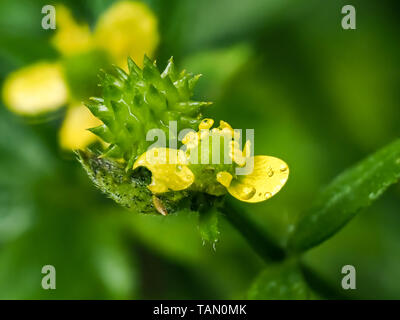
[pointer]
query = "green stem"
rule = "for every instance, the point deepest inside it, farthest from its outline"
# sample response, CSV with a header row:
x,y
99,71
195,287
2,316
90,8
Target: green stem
x,y
259,239
319,284
264,245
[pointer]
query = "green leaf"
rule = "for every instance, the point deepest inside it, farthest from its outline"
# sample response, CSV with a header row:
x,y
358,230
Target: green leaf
x,y
354,189
280,282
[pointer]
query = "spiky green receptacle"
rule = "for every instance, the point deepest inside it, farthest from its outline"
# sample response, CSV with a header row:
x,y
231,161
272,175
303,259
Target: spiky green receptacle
x,y
130,106
145,99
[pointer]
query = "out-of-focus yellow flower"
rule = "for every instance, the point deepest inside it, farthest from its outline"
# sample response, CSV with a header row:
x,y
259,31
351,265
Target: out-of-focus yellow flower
x,y
71,37
111,32
73,132
175,173
127,28
35,89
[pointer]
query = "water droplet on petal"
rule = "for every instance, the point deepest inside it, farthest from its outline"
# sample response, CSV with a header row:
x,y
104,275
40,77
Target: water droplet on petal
x,y
270,172
267,195
283,168
247,192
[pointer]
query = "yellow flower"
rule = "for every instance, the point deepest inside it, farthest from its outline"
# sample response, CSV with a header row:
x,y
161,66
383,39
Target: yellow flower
x,y
111,32
127,28
73,133
71,37
174,169
35,89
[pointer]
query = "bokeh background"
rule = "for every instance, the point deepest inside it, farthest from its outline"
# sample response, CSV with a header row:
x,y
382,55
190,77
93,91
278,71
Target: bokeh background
x,y
318,96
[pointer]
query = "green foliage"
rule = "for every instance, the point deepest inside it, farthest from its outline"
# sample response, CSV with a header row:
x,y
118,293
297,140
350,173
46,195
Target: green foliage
x,y
354,189
145,99
27,160
273,70
218,66
38,227
94,254
283,281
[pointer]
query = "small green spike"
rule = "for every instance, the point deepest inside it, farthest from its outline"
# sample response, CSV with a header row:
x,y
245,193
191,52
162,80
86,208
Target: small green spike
x,y
133,67
100,111
168,86
151,73
183,88
110,80
147,61
112,151
103,132
170,70
156,99
182,74
193,81
120,73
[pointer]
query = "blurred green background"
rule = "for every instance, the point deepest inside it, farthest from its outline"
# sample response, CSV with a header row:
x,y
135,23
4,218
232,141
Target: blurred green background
x,y
318,96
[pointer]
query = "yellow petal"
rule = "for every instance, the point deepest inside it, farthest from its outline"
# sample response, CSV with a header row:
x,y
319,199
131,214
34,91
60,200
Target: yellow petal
x,y
168,168
225,125
224,178
73,133
247,149
190,137
268,177
127,29
35,89
236,154
206,124
70,37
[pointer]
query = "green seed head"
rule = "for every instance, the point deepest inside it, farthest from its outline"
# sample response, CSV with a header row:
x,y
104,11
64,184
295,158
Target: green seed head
x,y
145,99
